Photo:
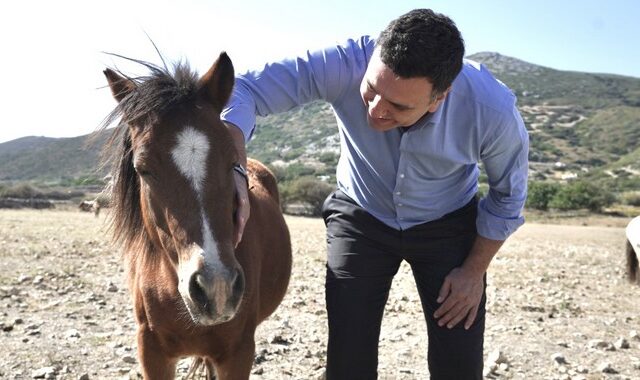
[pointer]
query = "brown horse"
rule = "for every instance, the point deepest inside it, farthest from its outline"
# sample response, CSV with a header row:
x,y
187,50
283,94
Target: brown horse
x,y
173,201
633,249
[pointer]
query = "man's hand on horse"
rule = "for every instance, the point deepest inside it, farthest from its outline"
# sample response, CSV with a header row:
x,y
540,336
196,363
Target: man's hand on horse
x,y
459,298
243,209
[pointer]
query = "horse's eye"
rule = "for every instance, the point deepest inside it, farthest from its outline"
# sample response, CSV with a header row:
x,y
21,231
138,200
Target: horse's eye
x,y
142,172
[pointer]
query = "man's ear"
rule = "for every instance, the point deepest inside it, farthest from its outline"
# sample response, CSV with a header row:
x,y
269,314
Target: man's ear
x,y
120,86
433,107
216,85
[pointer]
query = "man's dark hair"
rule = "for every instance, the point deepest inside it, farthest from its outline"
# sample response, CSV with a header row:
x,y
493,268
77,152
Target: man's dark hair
x,y
423,43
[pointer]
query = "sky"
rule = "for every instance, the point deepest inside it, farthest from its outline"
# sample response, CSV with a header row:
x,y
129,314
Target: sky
x,y
52,52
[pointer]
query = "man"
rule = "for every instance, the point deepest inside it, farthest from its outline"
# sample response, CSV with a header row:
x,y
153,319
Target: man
x,y
414,122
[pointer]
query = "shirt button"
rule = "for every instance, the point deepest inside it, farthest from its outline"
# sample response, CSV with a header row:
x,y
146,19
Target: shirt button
x,y
399,204
401,175
398,193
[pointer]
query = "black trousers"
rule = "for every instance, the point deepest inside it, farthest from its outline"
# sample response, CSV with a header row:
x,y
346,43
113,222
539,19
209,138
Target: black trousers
x,y
364,254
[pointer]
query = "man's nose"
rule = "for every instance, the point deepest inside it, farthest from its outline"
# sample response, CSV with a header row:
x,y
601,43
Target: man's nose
x,y
377,108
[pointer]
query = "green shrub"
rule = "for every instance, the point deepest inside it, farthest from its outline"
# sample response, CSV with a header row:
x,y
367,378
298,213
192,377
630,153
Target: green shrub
x,y
307,190
540,194
579,194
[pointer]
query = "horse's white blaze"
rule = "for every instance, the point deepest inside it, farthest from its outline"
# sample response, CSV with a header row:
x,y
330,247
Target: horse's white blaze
x,y
190,156
633,233
210,247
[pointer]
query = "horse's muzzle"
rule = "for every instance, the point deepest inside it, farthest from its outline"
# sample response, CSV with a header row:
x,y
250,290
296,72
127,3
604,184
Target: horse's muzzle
x,y
213,297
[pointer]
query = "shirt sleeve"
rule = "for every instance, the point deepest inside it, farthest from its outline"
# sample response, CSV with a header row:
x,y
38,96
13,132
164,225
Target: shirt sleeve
x,y
506,162
281,86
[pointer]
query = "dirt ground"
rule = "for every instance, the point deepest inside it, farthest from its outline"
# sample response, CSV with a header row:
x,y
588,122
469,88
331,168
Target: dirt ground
x,y
559,306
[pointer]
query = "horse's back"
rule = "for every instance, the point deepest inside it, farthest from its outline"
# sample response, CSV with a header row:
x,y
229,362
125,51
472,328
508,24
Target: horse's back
x,y
262,177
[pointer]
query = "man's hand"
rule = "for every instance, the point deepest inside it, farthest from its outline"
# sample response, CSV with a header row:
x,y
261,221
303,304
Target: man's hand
x,y
460,297
243,209
242,192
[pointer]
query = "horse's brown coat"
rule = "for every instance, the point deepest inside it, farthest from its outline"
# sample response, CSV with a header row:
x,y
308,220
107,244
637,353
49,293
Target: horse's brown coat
x,y
156,216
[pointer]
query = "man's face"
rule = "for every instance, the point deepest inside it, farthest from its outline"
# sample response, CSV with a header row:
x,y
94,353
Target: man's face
x,y
392,101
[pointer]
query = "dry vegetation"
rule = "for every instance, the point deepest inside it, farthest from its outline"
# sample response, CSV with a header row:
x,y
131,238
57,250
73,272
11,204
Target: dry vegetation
x,y
559,306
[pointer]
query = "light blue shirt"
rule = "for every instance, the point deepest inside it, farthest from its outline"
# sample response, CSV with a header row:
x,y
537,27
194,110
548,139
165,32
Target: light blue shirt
x,y
405,178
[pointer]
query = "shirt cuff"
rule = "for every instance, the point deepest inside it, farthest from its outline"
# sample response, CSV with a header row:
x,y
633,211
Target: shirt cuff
x,y
495,227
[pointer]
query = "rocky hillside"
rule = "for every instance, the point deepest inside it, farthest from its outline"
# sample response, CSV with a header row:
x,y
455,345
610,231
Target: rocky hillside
x,y
580,125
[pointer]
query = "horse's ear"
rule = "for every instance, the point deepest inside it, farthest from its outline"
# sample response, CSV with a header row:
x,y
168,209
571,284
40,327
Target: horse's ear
x,y
120,86
216,85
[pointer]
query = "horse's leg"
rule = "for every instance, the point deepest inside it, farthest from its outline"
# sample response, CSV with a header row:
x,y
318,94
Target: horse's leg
x,y
155,364
236,365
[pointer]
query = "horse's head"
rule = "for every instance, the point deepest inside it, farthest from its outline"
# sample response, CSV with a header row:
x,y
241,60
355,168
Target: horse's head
x,y
177,170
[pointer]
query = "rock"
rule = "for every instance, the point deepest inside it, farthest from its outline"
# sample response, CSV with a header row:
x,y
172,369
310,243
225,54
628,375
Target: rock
x,y
606,368
581,369
129,359
278,339
558,358
633,335
621,343
489,369
496,357
44,373
37,280
84,376
600,344
111,287
24,278
72,334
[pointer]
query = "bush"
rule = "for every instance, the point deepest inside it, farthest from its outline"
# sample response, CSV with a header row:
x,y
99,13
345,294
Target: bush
x,y
577,195
540,194
307,190
21,191
631,198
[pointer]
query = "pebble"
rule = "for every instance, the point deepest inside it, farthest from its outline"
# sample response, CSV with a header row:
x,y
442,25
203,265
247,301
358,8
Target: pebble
x,y
606,368
600,344
129,359
84,376
633,335
497,357
621,343
72,333
37,280
111,287
24,278
44,373
558,358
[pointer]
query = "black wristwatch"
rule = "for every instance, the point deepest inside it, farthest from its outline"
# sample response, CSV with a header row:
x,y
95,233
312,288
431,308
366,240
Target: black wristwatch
x,y
238,168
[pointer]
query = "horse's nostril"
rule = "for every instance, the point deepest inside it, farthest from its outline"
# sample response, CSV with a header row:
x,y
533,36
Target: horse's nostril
x,y
238,283
196,291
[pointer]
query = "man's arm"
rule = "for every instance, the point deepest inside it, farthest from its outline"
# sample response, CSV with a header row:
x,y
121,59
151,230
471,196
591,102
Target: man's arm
x,y
499,215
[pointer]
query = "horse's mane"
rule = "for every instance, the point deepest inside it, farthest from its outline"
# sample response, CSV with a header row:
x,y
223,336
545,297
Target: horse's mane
x,y
152,96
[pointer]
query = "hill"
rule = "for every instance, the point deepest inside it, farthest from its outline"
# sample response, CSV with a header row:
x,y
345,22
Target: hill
x,y
580,125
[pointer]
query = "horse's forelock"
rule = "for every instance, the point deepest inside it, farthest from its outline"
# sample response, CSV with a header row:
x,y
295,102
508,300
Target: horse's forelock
x,y
153,96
